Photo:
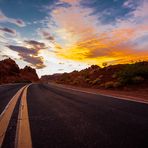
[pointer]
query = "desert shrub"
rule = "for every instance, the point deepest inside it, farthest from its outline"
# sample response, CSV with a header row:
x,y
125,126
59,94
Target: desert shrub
x,y
114,75
87,80
95,67
117,84
84,74
91,72
102,85
75,82
96,81
130,71
64,77
137,79
109,84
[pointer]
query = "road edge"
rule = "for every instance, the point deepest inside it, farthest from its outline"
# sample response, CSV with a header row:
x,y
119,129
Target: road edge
x,y
121,97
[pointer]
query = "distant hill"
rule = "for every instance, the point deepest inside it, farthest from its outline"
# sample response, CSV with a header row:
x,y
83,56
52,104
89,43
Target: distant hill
x,y
113,76
11,73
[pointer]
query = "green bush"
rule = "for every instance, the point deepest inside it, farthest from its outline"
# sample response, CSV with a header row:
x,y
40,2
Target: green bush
x,y
130,71
75,82
137,79
109,84
84,74
117,84
87,80
102,85
96,81
114,75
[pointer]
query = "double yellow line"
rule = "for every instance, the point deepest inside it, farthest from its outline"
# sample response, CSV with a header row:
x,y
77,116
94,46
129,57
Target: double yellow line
x,y
23,135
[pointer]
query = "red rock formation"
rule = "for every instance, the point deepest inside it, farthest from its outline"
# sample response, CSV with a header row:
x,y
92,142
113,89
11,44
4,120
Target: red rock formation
x,y
29,73
10,73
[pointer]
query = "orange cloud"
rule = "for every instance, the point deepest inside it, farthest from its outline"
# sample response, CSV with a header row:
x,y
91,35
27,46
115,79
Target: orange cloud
x,y
80,36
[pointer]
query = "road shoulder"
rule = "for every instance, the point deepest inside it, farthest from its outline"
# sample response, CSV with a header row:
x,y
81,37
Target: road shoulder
x,y
135,95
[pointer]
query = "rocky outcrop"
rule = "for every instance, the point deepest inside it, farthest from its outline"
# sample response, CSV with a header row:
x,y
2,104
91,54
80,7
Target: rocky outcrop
x,y
29,73
11,73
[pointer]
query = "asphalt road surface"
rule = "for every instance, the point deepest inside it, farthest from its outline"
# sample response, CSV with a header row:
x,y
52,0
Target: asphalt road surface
x,y
50,116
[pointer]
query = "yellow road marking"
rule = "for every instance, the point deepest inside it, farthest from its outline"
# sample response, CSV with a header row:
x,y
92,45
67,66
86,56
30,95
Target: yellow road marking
x,y
23,135
6,115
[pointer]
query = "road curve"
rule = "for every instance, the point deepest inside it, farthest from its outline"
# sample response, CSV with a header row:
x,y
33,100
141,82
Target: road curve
x,y
64,118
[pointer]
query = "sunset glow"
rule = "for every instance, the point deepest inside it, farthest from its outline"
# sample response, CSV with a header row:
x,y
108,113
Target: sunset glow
x,y
76,33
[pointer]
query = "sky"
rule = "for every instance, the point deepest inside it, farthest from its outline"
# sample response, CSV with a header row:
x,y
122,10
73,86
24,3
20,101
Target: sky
x,y
56,36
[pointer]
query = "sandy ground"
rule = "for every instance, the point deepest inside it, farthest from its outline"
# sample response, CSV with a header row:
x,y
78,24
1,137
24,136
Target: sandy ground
x,y
139,95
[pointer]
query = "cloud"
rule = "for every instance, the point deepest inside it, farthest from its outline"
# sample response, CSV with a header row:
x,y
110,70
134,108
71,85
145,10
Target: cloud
x,y
22,49
36,62
5,56
8,30
142,11
29,55
60,69
69,1
45,34
4,19
61,63
128,4
35,44
80,35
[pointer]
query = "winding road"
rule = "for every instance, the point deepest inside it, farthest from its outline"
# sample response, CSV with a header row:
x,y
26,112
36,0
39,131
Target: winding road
x,y
51,116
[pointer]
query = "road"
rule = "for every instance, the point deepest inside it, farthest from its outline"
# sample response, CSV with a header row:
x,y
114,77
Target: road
x,y
50,116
